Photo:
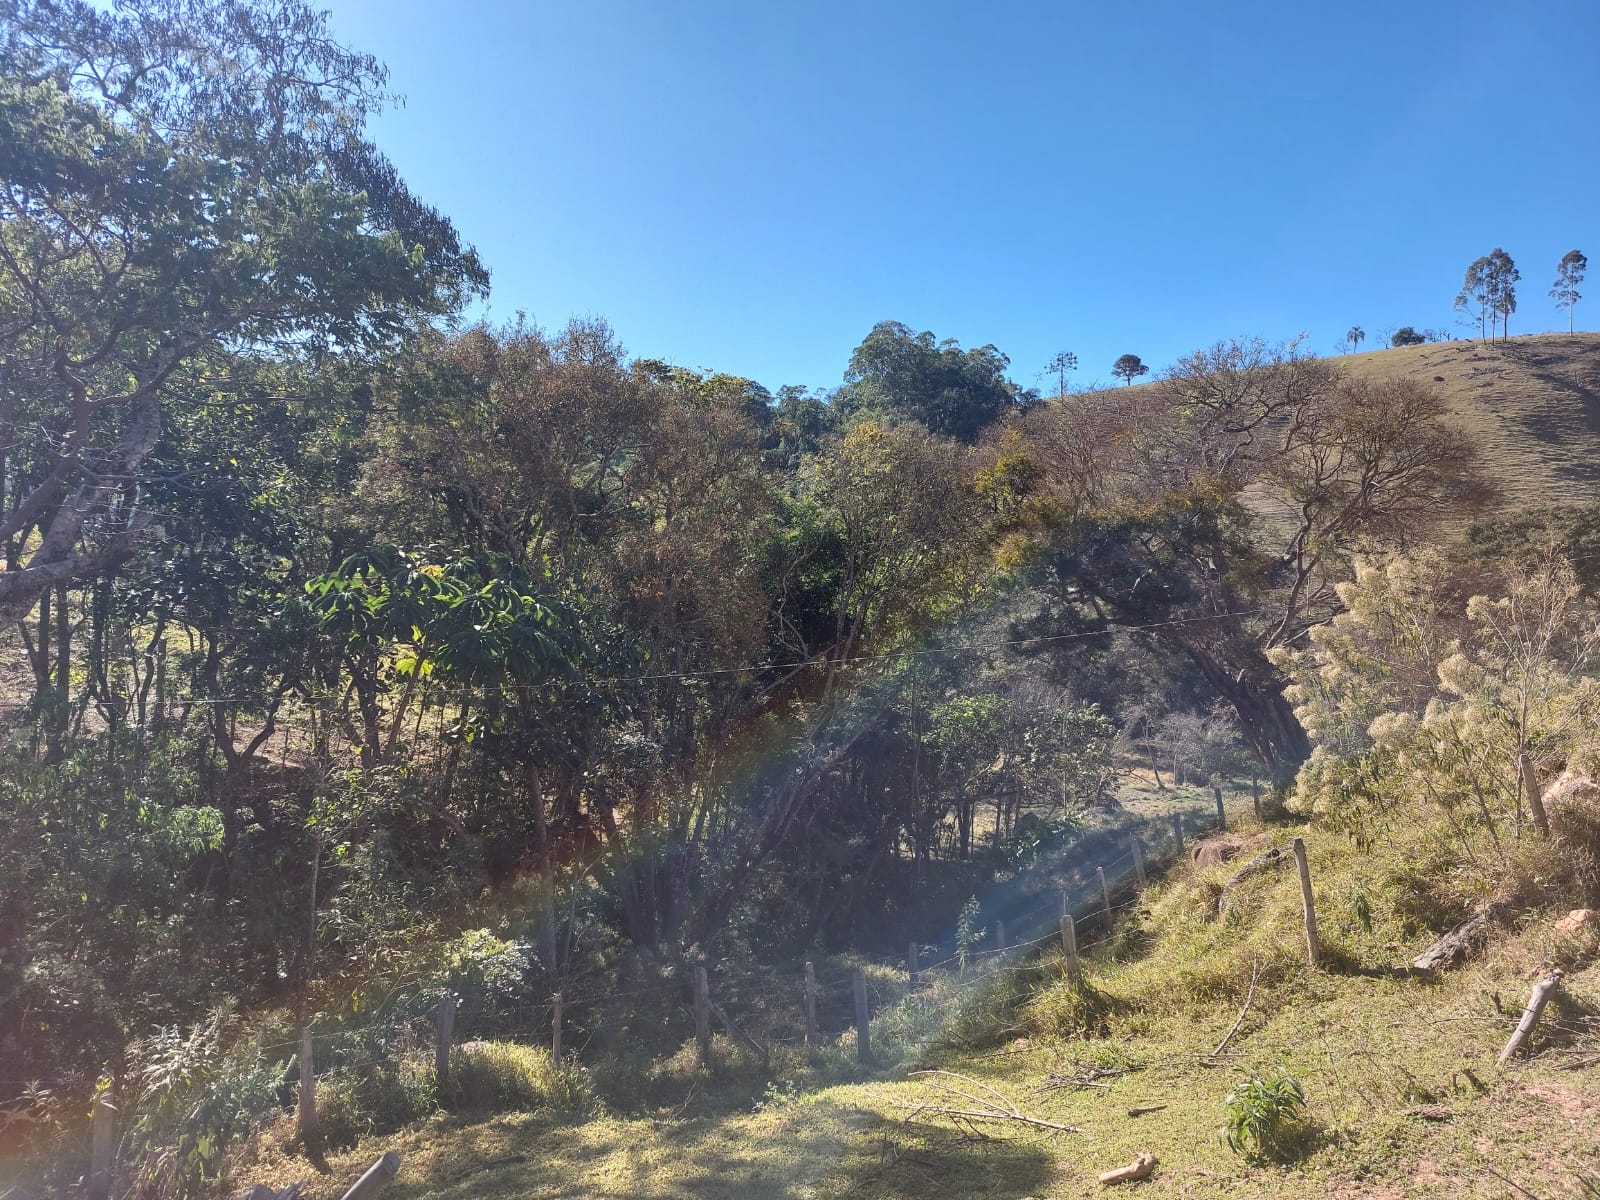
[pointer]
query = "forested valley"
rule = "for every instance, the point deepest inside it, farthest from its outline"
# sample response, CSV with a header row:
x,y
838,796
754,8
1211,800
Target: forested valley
x,y
355,649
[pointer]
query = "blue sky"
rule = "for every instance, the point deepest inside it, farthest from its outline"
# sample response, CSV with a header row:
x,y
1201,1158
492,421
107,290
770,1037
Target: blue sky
x,y
749,186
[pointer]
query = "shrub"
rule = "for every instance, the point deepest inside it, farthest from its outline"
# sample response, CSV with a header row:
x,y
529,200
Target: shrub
x,y
507,1077
1264,1115
380,1098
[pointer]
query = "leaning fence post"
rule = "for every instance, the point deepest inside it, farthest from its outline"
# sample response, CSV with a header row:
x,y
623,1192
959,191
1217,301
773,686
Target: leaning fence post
x,y
1138,861
306,1119
555,1028
1313,943
1105,890
376,1177
1069,947
702,1013
441,1053
1177,831
1539,997
810,997
1222,813
858,980
102,1150
911,966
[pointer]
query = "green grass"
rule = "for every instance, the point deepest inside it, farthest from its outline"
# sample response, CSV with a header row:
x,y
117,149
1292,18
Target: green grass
x,y
1402,1095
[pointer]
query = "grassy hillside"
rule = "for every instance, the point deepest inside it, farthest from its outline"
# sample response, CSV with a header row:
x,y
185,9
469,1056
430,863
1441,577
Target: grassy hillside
x,y
1532,402
1403,1097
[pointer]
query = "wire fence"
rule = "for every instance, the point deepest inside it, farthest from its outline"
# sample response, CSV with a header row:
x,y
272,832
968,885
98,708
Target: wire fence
x,y
815,1004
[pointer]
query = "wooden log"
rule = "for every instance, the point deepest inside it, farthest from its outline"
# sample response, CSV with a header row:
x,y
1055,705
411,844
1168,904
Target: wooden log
x,y
376,1178
1069,947
1222,813
858,981
306,1115
810,1000
1540,996
1138,861
445,1027
1139,1168
1313,941
702,1013
1460,941
911,966
1267,858
1105,890
1177,831
555,1028
102,1148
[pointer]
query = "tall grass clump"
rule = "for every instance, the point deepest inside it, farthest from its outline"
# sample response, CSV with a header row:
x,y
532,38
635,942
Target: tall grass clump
x,y
508,1077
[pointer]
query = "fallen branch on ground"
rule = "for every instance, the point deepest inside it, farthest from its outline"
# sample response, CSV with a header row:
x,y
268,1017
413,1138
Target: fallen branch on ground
x,y
991,1104
1255,974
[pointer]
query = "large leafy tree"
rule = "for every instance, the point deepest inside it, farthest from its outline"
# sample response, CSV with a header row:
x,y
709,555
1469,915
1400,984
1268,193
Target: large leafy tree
x,y
895,374
182,180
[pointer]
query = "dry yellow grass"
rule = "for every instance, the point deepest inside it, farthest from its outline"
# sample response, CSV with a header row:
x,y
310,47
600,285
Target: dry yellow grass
x,y
1532,403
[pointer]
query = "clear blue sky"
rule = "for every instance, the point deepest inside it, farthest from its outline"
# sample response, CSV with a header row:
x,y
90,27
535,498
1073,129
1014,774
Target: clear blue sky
x,y
748,186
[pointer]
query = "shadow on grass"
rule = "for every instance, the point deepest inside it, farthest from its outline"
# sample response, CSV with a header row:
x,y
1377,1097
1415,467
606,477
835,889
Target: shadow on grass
x,y
816,1149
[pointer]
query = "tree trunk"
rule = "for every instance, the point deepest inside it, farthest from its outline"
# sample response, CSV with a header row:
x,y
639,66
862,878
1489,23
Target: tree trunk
x,y
1266,718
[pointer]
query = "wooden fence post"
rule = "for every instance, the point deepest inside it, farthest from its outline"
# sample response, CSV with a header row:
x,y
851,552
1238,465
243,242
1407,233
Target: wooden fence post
x,y
858,981
1530,1015
811,1005
1313,943
1000,935
1138,861
1066,906
1222,813
1105,890
102,1148
1069,947
555,1028
446,1027
306,1118
911,966
1255,795
1177,831
702,1013
376,1177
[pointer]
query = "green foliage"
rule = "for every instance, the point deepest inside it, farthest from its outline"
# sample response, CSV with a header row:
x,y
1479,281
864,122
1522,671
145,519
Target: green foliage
x,y
969,930
1262,1114
506,1077
197,1092
896,374
1407,336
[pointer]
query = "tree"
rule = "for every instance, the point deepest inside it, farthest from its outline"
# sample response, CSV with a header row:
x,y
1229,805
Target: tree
x,y
1156,536
1355,336
1475,294
896,374
1407,335
1569,275
1128,368
1502,288
1063,362
181,179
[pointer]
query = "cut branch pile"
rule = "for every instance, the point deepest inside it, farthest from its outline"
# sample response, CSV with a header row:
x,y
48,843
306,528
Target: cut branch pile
x,y
983,1103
